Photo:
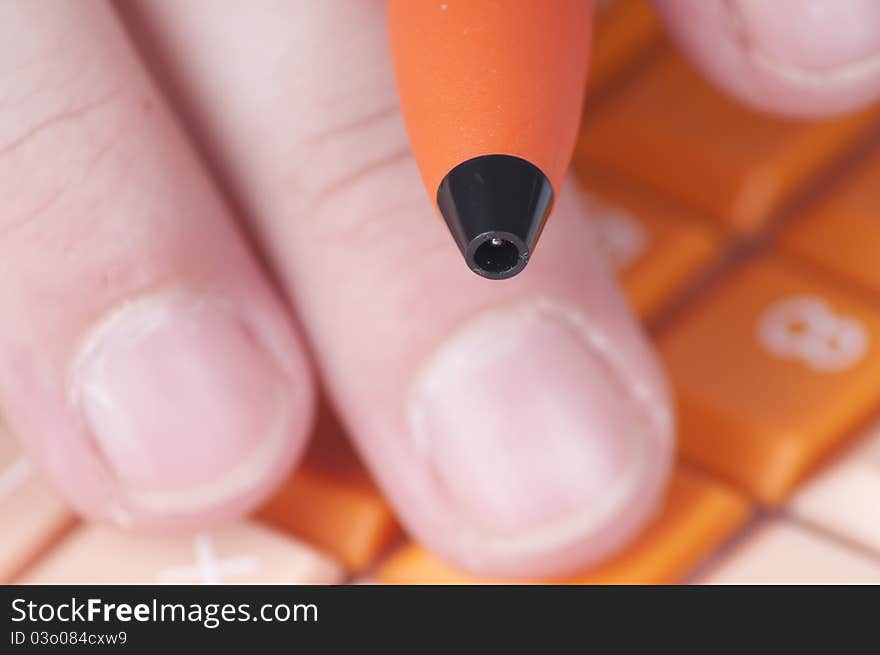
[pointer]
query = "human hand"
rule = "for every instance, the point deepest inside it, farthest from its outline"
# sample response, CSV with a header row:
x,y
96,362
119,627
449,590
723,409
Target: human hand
x,y
160,349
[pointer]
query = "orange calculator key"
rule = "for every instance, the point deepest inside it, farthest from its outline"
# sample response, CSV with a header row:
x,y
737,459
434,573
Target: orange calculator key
x,y
243,553
670,130
31,517
844,498
785,553
625,29
331,502
840,233
655,248
771,371
698,516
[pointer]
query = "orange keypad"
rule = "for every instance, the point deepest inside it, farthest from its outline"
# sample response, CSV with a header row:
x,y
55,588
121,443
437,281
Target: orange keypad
x,y
331,502
782,552
654,247
672,131
625,29
30,514
771,371
244,553
841,233
698,516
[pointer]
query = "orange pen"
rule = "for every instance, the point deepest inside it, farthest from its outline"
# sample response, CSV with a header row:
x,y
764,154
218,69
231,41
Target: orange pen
x,y
491,94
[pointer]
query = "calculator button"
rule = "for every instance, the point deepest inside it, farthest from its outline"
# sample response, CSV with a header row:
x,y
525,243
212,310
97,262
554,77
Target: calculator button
x,y
243,553
844,497
841,232
31,517
655,248
771,370
785,553
672,131
625,29
697,516
330,502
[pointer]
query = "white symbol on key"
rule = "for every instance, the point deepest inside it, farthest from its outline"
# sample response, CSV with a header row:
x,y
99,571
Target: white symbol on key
x,y
806,328
620,236
14,475
208,568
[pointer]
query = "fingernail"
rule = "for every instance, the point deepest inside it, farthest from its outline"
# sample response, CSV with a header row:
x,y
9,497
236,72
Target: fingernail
x,y
820,43
528,429
184,404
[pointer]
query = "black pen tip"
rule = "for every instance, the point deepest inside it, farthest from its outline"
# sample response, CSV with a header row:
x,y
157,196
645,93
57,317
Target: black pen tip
x,y
495,207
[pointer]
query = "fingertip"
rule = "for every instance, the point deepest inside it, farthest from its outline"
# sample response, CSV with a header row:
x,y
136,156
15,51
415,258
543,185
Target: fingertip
x,y
783,57
546,454
187,409
543,426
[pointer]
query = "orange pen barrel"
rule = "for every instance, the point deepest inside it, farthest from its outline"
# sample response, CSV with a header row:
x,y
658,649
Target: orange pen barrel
x,y
491,93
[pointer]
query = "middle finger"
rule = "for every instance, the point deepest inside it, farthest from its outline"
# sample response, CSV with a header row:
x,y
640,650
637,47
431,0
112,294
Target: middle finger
x,y
519,427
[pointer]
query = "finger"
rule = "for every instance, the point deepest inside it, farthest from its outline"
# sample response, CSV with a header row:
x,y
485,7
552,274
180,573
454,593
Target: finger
x,y
147,366
790,56
518,427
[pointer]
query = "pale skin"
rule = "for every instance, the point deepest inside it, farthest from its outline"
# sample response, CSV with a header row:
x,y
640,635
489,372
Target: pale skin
x,y
182,259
